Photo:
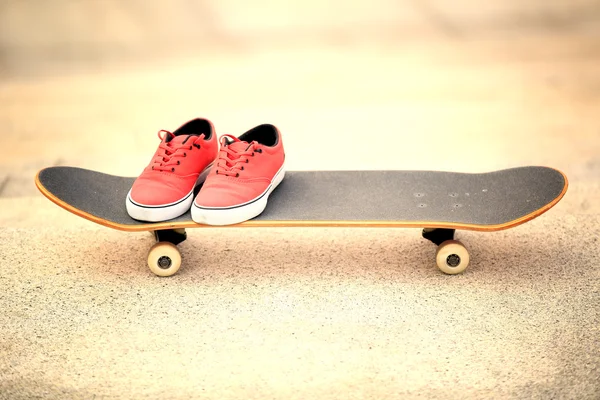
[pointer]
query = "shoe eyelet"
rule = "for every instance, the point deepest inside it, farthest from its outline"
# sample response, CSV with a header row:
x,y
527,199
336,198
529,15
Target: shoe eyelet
x,y
196,145
259,150
247,161
242,167
172,169
190,148
178,162
237,175
252,154
185,154
153,168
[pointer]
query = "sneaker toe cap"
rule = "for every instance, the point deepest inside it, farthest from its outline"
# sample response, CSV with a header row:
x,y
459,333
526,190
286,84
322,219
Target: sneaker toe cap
x,y
227,197
153,193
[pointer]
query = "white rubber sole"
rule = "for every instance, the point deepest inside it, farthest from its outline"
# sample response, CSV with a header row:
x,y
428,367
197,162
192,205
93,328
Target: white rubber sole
x,y
236,214
163,212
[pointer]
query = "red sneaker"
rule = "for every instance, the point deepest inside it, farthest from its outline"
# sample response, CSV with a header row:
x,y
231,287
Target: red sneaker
x,y
248,169
165,188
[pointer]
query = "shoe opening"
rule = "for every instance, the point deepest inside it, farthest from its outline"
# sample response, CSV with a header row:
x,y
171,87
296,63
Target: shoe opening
x,y
196,126
265,134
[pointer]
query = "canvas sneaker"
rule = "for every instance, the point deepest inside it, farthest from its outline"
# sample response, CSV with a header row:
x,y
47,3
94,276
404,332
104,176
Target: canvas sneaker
x,y
238,186
165,189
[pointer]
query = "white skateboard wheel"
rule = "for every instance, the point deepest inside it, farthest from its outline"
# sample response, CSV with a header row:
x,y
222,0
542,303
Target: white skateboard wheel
x,y
452,257
164,259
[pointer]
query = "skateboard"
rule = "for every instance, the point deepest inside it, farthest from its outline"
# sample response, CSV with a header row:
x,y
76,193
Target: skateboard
x,y
437,202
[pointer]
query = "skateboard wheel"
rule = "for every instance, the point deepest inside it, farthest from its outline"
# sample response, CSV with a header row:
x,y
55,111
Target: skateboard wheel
x,y
452,257
164,259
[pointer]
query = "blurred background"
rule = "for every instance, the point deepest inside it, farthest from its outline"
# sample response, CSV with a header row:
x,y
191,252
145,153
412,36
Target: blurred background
x,y
63,36
413,84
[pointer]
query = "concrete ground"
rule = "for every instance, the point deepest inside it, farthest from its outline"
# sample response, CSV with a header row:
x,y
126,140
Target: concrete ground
x,y
309,313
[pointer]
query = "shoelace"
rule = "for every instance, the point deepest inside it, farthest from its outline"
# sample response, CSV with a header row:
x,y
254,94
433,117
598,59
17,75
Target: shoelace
x,y
166,160
231,161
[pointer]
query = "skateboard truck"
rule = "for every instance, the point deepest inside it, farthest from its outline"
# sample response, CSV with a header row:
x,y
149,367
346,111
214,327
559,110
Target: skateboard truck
x,y
174,236
438,235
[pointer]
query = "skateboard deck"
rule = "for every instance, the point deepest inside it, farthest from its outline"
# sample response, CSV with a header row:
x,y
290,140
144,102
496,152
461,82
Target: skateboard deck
x,y
435,200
